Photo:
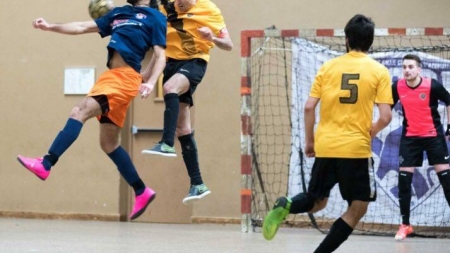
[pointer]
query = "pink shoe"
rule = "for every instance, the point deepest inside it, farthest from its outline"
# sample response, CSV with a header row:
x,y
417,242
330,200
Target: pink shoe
x,y
34,165
141,202
403,232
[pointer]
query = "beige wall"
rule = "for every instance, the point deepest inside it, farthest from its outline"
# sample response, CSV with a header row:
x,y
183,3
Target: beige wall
x,y
85,183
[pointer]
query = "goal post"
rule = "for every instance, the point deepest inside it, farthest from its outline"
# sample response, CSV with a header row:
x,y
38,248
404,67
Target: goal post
x,y
277,70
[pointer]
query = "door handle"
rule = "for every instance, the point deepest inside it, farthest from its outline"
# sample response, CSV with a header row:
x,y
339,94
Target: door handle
x,y
135,130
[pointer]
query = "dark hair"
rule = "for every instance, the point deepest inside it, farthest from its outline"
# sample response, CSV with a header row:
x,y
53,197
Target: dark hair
x,y
133,2
154,4
413,57
359,32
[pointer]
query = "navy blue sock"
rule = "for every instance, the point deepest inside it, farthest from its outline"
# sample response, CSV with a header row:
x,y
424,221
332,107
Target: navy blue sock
x,y
170,118
190,157
339,232
126,168
62,142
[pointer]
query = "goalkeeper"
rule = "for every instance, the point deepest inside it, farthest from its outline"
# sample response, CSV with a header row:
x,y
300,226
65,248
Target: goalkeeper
x,y
422,131
347,87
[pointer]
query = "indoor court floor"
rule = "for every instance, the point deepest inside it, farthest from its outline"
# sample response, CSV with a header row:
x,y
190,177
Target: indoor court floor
x,y
68,236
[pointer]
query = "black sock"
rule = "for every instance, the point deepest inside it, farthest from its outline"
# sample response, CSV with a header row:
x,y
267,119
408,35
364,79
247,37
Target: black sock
x,y
301,203
126,168
444,179
170,118
338,233
404,195
190,157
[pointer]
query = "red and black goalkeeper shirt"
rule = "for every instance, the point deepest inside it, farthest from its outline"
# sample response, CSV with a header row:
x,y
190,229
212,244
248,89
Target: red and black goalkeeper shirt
x,y
419,105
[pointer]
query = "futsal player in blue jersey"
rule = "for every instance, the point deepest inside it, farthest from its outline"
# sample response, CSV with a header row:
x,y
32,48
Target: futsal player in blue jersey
x,y
133,30
422,132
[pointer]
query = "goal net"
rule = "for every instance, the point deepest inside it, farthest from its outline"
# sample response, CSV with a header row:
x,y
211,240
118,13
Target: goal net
x,y
279,67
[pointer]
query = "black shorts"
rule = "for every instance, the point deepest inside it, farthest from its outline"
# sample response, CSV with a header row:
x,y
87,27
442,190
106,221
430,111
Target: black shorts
x,y
412,148
355,177
193,69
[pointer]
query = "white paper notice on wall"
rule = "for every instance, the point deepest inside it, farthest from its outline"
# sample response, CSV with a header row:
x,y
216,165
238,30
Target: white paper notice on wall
x,y
78,81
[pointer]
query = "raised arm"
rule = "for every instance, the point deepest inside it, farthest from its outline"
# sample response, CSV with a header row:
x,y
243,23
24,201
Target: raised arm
x,y
72,28
224,42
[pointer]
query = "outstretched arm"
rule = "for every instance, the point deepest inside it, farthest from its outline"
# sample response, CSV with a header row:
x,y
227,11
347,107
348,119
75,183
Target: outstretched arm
x,y
153,71
224,42
71,28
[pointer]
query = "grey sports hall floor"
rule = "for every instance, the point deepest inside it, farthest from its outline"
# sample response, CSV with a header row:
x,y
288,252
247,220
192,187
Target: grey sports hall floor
x,y
67,236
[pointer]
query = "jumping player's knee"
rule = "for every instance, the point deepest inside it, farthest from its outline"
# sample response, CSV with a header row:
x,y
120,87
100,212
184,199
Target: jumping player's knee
x,y
108,147
109,143
183,130
87,108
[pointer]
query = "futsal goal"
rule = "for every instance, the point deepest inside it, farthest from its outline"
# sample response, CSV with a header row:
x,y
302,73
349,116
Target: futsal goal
x,y
278,68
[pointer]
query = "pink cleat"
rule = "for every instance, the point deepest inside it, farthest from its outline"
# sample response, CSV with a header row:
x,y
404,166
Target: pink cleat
x,y
34,165
141,202
403,232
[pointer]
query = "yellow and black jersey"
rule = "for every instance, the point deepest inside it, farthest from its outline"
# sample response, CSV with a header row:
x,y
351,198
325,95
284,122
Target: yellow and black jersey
x,y
183,39
348,86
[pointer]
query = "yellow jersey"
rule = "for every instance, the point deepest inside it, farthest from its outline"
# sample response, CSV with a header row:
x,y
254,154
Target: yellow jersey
x,y
348,86
183,39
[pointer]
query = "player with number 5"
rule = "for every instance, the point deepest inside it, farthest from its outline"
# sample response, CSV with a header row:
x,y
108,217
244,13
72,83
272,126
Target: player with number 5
x,y
347,88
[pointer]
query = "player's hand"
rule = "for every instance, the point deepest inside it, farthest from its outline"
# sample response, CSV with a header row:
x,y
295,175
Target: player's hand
x,y
40,23
447,132
145,89
309,150
373,132
205,33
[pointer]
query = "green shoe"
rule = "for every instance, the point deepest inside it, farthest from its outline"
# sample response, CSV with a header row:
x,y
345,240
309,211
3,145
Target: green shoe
x,y
196,192
161,149
277,215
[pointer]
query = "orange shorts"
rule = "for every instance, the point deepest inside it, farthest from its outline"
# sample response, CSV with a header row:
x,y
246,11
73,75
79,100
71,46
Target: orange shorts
x,y
120,86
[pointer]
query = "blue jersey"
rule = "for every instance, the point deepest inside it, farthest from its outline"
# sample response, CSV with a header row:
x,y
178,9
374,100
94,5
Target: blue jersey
x,y
133,31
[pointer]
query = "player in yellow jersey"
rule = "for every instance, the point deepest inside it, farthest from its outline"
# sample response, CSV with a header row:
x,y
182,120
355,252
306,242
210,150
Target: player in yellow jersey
x,y
194,27
347,87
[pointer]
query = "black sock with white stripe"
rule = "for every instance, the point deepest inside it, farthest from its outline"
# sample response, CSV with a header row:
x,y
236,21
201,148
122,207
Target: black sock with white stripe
x,y
444,179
